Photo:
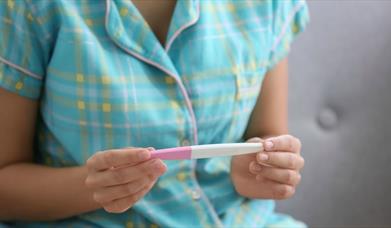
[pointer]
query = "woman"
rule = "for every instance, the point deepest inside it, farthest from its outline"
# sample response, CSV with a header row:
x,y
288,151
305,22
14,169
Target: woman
x,y
98,83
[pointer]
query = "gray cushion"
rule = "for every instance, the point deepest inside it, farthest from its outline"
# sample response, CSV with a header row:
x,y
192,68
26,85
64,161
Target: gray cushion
x,y
340,106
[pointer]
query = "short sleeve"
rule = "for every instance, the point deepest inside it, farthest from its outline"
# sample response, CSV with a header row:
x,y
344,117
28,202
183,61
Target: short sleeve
x,y
23,53
290,19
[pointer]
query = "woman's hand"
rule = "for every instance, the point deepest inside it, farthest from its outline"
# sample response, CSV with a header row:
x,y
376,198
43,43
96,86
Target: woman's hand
x,y
272,173
119,178
279,165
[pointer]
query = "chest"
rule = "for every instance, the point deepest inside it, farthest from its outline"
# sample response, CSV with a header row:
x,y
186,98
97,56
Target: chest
x,y
113,84
157,14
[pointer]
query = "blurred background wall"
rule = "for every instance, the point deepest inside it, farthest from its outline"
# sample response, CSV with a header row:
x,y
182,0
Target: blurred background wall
x,y
340,106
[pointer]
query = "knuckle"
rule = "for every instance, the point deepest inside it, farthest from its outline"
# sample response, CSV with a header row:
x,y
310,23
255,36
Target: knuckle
x,y
291,162
283,192
89,182
118,176
108,158
289,177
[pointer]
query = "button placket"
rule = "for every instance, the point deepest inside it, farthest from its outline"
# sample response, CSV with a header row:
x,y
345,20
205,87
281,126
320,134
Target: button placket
x,y
195,194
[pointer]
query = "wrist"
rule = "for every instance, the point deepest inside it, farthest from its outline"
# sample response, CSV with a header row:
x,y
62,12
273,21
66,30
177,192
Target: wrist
x,y
88,199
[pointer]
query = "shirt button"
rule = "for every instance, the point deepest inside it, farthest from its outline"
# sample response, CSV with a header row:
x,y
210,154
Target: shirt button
x,y
129,225
185,142
195,194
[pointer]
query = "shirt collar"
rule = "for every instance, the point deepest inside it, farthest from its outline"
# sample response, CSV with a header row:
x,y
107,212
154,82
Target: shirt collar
x,y
186,14
127,29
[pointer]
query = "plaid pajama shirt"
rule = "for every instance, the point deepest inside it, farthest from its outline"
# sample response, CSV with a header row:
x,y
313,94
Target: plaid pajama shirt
x,y
104,81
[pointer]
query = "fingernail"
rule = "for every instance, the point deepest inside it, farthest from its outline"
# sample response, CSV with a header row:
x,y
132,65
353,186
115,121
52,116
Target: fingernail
x,y
263,157
269,145
150,148
255,139
158,165
256,167
144,155
164,167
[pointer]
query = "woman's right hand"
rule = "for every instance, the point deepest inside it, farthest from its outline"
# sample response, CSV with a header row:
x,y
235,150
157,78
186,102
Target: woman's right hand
x,y
119,178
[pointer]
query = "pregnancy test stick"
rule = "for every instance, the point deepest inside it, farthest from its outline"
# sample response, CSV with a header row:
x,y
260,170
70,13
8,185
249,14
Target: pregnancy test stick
x,y
207,151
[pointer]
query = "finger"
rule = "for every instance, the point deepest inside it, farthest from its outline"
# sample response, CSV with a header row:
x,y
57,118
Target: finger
x,y
123,204
276,190
283,176
124,175
281,159
286,143
255,140
112,177
254,167
108,194
114,158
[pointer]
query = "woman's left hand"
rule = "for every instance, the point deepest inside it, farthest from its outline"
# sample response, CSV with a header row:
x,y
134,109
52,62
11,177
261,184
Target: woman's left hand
x,y
280,162
272,173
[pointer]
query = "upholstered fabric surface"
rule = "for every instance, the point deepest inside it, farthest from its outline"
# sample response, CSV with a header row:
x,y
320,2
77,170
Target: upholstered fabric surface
x,y
340,106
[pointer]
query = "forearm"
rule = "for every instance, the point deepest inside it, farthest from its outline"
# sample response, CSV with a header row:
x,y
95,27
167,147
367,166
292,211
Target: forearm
x,y
34,192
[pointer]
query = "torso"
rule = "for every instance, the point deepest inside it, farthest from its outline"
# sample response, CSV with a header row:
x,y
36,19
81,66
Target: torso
x,y
100,91
158,15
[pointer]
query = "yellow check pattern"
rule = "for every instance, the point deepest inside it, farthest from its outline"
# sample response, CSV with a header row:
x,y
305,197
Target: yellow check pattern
x,y
104,81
